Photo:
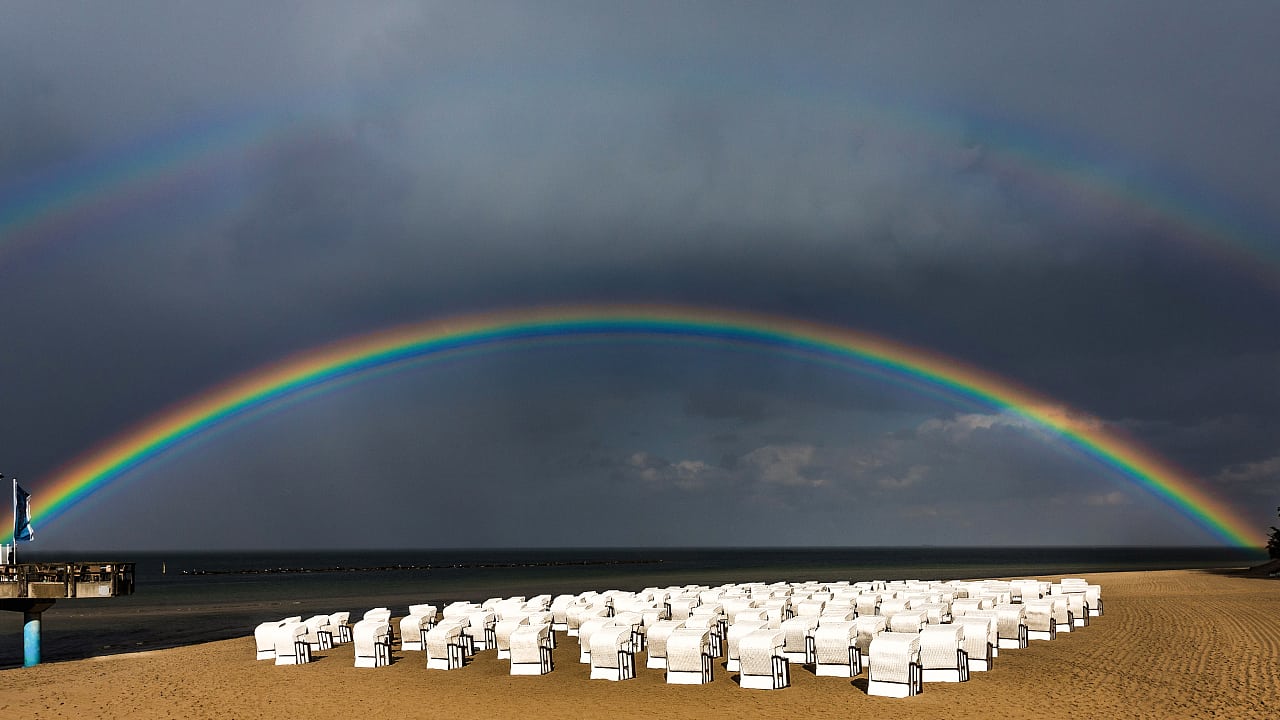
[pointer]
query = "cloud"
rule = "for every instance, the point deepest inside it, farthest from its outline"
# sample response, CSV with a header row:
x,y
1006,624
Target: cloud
x,y
785,466
1256,478
914,475
684,475
1114,497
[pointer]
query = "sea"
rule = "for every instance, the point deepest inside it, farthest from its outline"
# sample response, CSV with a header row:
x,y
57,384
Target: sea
x,y
183,598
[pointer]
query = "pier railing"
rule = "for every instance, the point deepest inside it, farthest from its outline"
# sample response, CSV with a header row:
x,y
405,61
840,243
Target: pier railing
x,y
55,581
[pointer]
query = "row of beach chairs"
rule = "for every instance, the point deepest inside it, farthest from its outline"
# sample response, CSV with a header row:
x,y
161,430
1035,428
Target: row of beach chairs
x,y
903,633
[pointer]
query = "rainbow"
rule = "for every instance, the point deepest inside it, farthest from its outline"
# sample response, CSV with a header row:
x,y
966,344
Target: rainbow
x,y
318,369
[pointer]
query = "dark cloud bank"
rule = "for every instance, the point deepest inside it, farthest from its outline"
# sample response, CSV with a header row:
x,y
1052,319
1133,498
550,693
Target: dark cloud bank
x,y
928,173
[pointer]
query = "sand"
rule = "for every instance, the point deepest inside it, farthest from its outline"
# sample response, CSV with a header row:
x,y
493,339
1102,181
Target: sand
x,y
1172,644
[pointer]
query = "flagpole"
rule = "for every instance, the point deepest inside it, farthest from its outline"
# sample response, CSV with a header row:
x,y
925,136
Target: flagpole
x,y
14,556
15,521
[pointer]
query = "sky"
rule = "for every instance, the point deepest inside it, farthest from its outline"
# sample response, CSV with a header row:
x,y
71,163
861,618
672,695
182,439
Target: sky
x,y
1080,198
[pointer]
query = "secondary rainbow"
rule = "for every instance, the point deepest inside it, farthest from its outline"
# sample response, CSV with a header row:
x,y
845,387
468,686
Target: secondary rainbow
x,y
314,370
47,207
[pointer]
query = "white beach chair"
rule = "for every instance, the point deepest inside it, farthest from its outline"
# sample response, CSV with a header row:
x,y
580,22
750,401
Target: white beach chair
x,y
447,646
798,639
1062,615
502,631
1079,609
480,627
1011,626
612,656
716,625
838,609
762,664
890,606
559,612
809,607
835,650
942,654
413,632
264,636
908,621
372,640
734,637
1040,621
575,615
292,647
980,638
340,622
681,607
689,657
588,628
656,642
531,649
868,627
894,669
319,632
867,603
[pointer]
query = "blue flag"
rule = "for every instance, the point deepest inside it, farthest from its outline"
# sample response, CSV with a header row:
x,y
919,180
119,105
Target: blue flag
x,y
22,531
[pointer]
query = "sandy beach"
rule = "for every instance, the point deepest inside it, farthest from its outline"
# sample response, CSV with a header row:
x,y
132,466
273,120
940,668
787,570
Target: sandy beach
x,y
1172,644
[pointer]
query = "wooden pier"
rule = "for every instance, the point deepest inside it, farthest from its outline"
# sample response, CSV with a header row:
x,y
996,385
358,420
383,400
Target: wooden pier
x,y
32,588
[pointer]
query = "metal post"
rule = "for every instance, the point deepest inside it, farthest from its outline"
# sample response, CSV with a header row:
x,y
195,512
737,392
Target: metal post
x,y
31,638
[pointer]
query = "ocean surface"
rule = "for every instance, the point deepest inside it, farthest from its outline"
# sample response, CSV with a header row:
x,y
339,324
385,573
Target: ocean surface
x,y
183,598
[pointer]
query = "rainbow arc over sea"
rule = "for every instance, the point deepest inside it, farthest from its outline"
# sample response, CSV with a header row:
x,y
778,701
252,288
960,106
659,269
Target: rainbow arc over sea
x,y
316,370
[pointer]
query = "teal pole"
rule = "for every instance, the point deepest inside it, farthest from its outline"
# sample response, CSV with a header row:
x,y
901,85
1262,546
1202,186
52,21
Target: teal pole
x,y
30,639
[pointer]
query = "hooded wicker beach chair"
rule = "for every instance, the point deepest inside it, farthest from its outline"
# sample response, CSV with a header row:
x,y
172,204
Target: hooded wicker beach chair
x,y
480,626
894,668
980,637
1062,615
798,639
733,640
319,633
689,657
502,631
383,615
716,624
340,623
867,603
868,626
575,615
656,642
413,631
908,621
835,650
446,644
838,609
264,636
585,631
812,607
372,641
559,608
943,657
1040,621
890,606
1079,609
1024,590
292,647
679,608
960,606
1011,626
531,649
762,663
612,655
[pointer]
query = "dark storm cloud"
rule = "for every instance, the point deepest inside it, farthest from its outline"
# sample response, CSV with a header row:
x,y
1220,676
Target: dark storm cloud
x,y
842,162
